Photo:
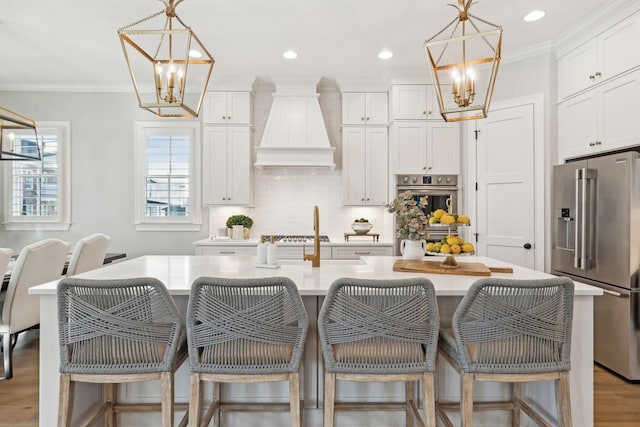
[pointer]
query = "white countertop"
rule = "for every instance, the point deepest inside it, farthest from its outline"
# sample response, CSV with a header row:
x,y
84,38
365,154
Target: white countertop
x,y
179,272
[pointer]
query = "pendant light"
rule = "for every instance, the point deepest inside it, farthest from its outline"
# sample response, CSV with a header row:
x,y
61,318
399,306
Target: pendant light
x,y
169,66
18,137
464,65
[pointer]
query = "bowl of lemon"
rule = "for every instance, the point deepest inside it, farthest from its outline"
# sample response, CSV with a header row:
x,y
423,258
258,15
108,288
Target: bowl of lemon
x,y
442,218
450,245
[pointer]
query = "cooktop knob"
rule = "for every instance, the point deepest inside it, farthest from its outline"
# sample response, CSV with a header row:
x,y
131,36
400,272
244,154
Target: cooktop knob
x,y
439,179
405,179
414,179
448,179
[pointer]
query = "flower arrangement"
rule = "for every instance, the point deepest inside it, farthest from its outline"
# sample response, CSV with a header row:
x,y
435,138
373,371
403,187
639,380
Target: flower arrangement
x,y
411,221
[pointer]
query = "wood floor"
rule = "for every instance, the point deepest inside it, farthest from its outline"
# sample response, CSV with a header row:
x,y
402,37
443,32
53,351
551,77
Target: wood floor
x,y
617,401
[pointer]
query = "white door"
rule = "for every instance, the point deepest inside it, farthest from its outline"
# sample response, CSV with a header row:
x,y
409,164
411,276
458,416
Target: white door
x,y
505,177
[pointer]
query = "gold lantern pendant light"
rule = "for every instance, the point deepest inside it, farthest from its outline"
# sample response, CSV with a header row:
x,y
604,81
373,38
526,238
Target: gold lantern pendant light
x,y
169,65
465,64
18,137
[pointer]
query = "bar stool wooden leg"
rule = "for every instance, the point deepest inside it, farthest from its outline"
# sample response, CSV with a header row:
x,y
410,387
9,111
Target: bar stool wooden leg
x,y
65,403
109,398
294,399
166,378
410,397
516,397
563,400
217,398
329,398
195,399
466,399
429,398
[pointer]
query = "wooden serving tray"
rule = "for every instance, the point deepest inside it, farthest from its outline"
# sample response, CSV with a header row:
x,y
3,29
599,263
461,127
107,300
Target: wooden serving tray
x,y
465,269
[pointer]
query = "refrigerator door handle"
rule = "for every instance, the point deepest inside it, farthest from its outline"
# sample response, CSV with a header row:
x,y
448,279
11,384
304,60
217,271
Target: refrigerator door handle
x,y
614,294
578,235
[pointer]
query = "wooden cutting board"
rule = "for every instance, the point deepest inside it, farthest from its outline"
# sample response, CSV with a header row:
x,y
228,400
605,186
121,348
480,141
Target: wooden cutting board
x,y
465,269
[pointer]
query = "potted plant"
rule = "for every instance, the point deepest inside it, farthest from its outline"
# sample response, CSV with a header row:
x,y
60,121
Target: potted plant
x,y
240,221
411,224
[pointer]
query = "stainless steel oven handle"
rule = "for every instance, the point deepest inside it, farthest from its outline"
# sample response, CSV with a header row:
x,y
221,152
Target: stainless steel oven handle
x,y
614,294
426,188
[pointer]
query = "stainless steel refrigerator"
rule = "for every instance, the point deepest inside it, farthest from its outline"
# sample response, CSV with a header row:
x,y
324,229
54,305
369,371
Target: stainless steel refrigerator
x,y
596,240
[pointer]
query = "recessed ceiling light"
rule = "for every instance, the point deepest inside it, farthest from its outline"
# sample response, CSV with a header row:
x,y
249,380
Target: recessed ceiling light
x,y
195,54
290,54
534,15
385,54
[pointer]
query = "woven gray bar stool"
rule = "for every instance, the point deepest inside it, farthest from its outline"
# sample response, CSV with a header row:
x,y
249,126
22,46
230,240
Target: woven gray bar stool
x,y
511,331
245,331
380,331
118,331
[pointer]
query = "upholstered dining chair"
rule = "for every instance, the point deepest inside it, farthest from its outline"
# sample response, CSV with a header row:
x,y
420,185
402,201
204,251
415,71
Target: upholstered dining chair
x,y
380,331
118,331
245,331
88,254
5,257
38,263
511,331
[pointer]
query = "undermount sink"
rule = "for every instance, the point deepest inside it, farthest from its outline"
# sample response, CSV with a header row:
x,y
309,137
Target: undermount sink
x,y
323,262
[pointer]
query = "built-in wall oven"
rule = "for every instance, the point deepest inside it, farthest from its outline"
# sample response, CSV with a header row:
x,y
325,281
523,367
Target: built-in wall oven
x,y
441,192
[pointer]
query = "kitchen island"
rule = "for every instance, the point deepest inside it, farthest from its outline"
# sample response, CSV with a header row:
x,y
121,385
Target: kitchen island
x,y
178,272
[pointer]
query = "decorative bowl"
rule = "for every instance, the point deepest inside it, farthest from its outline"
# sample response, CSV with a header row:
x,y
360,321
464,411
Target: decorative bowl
x,y
361,227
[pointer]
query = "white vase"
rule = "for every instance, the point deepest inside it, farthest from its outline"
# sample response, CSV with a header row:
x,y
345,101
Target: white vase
x,y
237,232
413,249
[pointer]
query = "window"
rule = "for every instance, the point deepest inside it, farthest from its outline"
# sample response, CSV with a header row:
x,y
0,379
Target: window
x,y
167,176
36,192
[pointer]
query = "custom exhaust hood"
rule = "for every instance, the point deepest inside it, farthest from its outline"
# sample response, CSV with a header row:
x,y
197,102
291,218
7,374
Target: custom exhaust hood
x,y
295,133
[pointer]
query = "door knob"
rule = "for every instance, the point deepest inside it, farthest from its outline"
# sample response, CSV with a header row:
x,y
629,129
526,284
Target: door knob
x,y
527,246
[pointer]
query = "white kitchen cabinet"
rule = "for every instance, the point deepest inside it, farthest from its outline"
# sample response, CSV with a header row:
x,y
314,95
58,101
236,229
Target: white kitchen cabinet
x,y
414,102
365,108
364,165
227,108
226,165
355,252
602,119
601,58
226,250
421,147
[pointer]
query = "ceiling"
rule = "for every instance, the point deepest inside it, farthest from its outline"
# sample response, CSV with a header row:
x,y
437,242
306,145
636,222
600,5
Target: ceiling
x,y
73,44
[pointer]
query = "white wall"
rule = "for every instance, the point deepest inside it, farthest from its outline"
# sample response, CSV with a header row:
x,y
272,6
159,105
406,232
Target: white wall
x,y
101,171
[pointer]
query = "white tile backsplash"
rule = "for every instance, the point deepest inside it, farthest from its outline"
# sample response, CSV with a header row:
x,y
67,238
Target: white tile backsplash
x,y
284,200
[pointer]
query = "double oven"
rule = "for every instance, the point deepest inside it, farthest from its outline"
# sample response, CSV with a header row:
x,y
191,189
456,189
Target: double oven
x,y
441,192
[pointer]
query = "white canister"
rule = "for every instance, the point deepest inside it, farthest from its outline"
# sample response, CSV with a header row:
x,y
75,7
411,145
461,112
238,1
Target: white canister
x,y
261,255
237,232
272,252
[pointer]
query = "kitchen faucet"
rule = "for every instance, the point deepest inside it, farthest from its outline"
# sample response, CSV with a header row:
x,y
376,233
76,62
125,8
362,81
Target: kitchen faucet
x,y
315,256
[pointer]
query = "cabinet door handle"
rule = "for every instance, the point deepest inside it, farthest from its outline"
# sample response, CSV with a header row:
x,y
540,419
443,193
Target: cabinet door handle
x,y
227,252
228,117
362,200
368,199
367,118
591,77
362,119
424,167
224,117
598,73
362,253
424,112
598,142
429,168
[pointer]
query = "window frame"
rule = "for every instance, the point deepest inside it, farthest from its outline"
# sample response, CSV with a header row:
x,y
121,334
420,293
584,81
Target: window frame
x,y
62,221
186,223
